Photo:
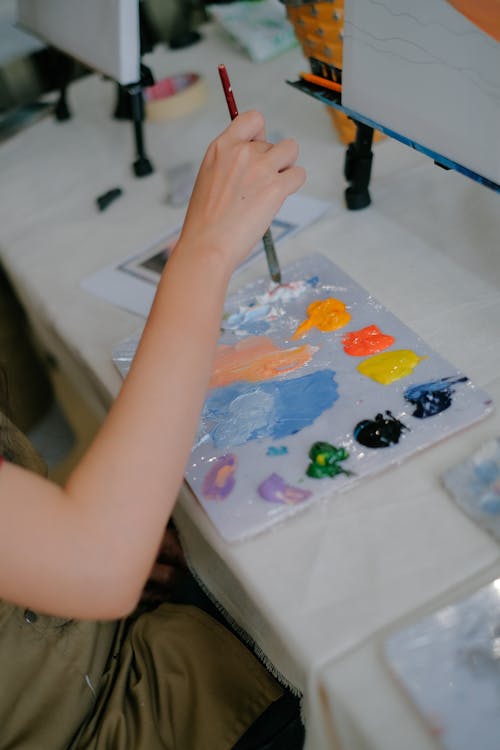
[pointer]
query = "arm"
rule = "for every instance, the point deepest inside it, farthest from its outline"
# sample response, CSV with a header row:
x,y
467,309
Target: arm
x,y
86,550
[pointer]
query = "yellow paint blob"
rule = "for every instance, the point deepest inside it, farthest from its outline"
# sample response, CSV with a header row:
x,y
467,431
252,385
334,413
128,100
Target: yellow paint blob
x,y
387,367
327,315
256,358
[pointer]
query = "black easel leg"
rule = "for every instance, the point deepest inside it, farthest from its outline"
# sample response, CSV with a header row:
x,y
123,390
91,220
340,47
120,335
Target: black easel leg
x,y
142,166
65,68
358,167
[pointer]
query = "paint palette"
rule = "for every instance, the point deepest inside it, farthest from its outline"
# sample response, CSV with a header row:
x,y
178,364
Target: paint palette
x,y
315,386
449,664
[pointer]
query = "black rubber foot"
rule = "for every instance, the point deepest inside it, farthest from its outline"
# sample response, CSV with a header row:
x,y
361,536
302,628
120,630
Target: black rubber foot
x,y
61,111
356,199
143,167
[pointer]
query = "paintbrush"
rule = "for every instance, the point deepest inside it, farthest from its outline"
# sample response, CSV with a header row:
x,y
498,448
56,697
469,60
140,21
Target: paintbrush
x,y
272,258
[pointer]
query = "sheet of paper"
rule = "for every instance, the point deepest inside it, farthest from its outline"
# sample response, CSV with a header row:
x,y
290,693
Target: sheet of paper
x,y
131,283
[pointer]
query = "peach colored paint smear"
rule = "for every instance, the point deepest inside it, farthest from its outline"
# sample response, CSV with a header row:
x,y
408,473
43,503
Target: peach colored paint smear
x,y
366,341
327,315
256,358
387,367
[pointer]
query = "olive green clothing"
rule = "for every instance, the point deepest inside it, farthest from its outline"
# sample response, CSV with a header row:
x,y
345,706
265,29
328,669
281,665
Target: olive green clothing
x,y
182,681
171,679
50,669
30,391
17,449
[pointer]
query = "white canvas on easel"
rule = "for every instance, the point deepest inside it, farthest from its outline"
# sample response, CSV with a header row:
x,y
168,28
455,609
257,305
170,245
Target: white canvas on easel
x,y
427,72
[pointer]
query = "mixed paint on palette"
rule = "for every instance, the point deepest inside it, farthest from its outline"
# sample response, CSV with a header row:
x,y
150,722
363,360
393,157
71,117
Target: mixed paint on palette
x,y
315,386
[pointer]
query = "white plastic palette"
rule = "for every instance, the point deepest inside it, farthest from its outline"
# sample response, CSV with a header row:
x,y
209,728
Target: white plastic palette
x,y
248,465
243,511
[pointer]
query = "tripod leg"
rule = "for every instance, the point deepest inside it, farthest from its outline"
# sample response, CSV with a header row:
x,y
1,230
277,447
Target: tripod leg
x,y
142,165
358,166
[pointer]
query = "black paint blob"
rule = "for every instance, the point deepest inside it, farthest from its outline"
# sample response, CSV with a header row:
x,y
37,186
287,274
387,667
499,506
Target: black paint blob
x,y
380,432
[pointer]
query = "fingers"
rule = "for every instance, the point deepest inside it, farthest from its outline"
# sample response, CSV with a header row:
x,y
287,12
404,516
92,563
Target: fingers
x,y
281,159
284,154
292,179
249,126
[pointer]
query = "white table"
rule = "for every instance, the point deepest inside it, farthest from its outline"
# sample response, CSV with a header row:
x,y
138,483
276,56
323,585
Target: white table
x,y
318,590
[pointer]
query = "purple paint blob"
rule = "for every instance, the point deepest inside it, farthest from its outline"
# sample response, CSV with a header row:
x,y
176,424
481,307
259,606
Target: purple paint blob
x,y
275,490
220,479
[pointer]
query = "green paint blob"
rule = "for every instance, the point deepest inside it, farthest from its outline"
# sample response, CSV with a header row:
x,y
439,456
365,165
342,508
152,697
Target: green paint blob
x,y
325,460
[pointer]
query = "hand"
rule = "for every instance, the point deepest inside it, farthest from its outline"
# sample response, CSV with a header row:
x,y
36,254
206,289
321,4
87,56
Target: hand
x,y
242,183
170,566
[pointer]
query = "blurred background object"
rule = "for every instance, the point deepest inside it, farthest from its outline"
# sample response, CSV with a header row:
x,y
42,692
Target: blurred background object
x,y
29,69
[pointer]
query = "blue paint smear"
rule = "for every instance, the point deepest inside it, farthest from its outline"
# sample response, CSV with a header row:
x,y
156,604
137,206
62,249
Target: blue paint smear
x,y
240,412
275,450
487,472
490,503
252,320
433,397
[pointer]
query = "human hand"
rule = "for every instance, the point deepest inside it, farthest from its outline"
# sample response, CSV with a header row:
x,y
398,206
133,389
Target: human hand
x,y
242,183
170,566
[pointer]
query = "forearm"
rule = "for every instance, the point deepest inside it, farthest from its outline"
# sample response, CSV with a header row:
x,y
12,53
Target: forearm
x,y
131,475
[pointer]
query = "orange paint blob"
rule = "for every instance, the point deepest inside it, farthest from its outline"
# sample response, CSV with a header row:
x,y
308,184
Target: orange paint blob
x,y
366,341
327,315
256,358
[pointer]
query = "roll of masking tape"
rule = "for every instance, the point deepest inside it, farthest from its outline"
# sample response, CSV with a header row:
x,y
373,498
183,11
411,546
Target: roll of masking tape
x,y
174,96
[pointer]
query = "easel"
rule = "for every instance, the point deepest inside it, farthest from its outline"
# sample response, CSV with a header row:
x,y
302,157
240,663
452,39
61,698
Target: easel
x,y
129,106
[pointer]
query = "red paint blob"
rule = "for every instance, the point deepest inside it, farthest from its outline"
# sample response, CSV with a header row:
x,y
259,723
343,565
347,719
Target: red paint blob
x,y
366,341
